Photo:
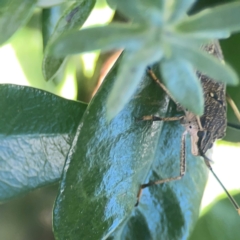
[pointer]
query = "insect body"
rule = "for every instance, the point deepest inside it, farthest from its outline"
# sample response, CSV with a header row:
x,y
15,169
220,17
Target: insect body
x,y
214,118
204,130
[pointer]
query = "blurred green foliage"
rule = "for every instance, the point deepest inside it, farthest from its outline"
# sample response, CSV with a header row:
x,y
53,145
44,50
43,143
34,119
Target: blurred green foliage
x,y
218,221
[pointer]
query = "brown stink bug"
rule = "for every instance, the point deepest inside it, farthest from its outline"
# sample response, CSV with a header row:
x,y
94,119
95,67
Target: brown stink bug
x,y
204,130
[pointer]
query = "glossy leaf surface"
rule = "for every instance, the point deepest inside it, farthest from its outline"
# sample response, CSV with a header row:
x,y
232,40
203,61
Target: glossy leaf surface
x,y
109,160
36,132
13,15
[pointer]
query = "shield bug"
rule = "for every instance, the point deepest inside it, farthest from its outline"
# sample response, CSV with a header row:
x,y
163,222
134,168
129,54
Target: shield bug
x,y
203,130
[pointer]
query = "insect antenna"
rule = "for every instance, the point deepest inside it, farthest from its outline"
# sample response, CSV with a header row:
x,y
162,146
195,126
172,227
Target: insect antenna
x,y
235,111
232,200
233,106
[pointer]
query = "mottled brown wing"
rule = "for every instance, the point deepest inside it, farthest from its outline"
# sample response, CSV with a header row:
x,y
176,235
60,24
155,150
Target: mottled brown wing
x,y
214,118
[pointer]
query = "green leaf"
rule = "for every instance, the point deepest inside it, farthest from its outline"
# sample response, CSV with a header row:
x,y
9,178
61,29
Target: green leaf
x,y
130,9
36,132
49,3
179,9
180,79
113,36
73,18
203,4
139,10
206,63
29,56
13,15
213,22
50,17
219,222
109,161
130,74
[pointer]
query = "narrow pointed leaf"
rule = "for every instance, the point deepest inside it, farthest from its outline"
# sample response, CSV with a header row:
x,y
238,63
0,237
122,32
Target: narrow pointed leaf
x,y
179,9
113,36
130,73
139,10
49,3
102,177
180,79
73,18
218,20
36,131
13,15
129,9
207,64
50,17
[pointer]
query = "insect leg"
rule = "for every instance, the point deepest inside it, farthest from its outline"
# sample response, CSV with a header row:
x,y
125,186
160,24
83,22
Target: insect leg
x,y
182,170
179,107
232,200
155,78
156,118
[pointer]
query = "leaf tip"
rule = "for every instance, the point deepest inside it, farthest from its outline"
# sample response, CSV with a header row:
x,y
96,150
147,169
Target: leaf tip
x,y
196,108
235,81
